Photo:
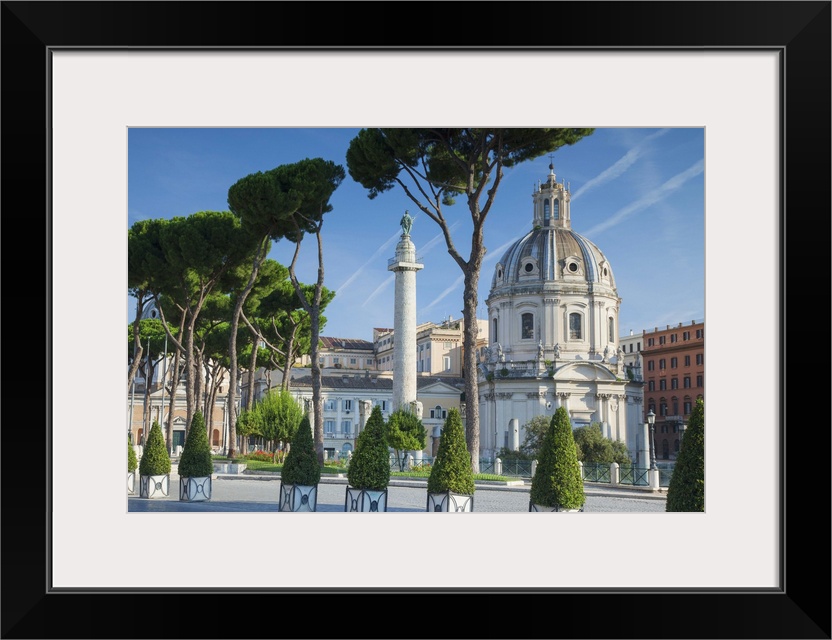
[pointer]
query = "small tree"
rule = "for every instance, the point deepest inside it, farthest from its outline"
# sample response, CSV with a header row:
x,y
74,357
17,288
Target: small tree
x,y
247,425
534,430
686,491
132,460
301,466
451,470
279,418
557,480
405,432
594,448
155,459
370,464
196,459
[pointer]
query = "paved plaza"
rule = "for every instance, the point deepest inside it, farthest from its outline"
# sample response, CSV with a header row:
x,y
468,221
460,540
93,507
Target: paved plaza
x,y
259,493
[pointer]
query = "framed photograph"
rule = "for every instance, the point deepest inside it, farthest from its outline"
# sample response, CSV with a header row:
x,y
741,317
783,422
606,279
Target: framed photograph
x,y
754,75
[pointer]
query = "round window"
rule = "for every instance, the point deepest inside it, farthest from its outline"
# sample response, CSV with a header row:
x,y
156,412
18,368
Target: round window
x,y
499,273
605,271
573,267
529,267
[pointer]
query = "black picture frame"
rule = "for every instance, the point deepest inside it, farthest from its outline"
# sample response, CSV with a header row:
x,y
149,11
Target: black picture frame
x,y
800,31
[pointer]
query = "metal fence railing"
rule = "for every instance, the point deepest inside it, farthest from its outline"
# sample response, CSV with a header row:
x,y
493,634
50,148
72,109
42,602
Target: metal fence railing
x,y
518,468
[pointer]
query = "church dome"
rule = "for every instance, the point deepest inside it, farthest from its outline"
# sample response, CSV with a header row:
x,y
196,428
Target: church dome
x,y
553,292
552,254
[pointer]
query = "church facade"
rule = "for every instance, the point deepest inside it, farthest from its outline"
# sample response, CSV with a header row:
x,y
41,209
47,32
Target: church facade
x,y
553,311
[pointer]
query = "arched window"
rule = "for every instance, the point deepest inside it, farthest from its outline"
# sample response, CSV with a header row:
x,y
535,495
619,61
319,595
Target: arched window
x,y
494,322
611,323
546,212
215,437
527,324
575,332
557,209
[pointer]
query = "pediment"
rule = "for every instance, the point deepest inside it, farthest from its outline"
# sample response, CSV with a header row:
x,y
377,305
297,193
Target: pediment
x,y
583,371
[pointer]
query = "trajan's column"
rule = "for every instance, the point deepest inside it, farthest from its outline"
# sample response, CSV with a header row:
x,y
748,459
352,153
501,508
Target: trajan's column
x,y
404,265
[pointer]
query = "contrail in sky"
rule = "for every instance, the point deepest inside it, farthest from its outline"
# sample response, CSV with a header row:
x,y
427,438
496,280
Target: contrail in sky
x,y
379,289
385,245
619,167
489,257
430,244
656,195
373,259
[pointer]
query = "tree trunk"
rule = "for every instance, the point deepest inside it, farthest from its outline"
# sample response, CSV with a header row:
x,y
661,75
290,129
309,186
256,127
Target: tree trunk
x,y
287,364
469,351
174,385
232,346
472,409
314,311
138,350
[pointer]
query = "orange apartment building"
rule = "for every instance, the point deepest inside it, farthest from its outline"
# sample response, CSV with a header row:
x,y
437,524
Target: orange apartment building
x,y
674,378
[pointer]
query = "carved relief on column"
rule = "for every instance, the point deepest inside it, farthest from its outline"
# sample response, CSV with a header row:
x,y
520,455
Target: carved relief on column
x,y
504,395
489,395
535,394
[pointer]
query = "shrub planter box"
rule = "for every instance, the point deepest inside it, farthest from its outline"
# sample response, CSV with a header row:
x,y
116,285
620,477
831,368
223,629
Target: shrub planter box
x,y
195,489
365,500
450,502
131,482
154,486
557,508
298,497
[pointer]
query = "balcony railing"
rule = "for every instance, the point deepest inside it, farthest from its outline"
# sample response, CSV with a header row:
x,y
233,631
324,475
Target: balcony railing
x,y
339,435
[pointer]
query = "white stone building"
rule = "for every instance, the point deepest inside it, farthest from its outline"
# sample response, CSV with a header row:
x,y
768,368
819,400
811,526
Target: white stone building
x,y
349,397
554,335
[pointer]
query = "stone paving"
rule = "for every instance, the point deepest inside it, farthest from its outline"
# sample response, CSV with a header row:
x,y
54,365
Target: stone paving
x,y
259,493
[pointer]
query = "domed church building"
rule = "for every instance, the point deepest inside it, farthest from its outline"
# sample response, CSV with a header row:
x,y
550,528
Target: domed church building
x,y
553,334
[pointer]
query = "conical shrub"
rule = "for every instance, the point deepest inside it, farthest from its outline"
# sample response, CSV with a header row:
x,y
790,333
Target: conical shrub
x,y
196,461
557,479
301,465
132,459
370,464
155,459
686,491
451,470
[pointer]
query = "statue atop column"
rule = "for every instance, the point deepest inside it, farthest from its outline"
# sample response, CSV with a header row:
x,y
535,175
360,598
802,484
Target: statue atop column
x,y
407,223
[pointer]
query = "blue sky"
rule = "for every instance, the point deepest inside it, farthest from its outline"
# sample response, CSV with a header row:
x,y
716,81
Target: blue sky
x,y
636,193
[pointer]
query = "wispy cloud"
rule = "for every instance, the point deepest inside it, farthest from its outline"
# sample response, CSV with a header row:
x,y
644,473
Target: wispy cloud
x,y
448,291
379,289
649,199
372,260
491,256
439,237
619,167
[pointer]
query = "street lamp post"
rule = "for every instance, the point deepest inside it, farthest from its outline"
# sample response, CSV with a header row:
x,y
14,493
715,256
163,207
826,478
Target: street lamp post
x,y
651,420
